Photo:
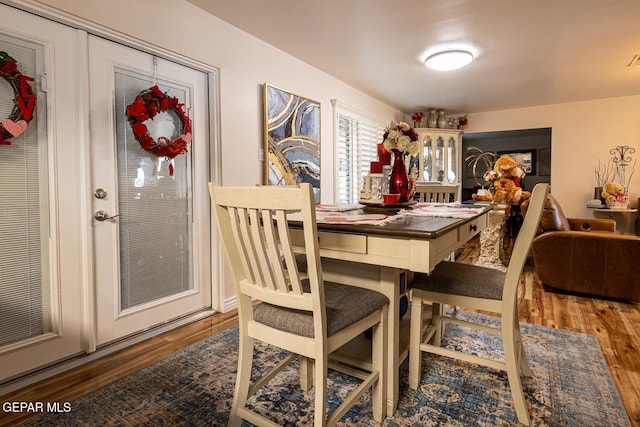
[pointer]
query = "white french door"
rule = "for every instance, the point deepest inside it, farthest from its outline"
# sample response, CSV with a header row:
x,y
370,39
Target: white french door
x,y
42,226
151,228
70,283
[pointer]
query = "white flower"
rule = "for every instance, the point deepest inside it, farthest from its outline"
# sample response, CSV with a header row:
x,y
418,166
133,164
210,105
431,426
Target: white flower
x,y
414,148
403,143
394,134
398,137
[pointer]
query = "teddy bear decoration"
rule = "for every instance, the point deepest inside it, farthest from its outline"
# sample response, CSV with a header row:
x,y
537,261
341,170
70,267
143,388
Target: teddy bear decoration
x,y
615,195
505,183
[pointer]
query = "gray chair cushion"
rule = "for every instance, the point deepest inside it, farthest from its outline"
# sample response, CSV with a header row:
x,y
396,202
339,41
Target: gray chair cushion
x,y
345,305
462,279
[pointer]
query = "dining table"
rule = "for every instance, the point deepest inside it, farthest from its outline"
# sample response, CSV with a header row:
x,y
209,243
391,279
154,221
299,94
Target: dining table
x,y
379,249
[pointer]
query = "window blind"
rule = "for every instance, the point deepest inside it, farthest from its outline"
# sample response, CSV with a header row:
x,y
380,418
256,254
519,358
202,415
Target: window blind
x,y
356,147
155,223
24,212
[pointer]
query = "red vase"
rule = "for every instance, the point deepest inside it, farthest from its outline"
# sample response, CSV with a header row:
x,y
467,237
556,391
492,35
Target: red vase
x,y
399,182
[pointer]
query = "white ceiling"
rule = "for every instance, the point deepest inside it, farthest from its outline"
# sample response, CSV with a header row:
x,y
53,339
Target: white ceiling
x,y
527,52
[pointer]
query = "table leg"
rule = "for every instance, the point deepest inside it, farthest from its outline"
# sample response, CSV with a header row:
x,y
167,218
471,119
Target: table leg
x,y
386,280
491,239
390,286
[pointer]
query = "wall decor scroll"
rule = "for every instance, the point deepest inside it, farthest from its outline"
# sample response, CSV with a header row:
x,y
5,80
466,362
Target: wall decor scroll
x,y
292,139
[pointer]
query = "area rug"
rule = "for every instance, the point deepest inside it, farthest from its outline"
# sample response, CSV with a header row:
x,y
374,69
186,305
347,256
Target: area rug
x,y
571,386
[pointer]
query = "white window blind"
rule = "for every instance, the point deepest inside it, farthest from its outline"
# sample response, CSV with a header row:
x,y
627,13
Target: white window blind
x,y
24,211
356,147
155,208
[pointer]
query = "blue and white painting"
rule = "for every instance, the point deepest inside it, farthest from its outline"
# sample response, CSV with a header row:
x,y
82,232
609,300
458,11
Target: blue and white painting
x,y
292,129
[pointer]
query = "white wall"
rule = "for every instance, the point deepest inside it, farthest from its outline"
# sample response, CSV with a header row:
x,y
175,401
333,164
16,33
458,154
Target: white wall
x,y
582,133
245,63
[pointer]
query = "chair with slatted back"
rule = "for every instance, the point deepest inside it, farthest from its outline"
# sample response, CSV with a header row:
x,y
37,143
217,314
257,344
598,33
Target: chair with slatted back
x,y
437,193
302,314
478,288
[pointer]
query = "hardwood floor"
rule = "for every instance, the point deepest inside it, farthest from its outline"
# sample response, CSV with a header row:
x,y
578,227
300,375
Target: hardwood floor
x,y
614,323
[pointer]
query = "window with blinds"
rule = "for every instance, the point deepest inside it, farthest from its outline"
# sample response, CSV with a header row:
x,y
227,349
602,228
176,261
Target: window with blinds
x,y
357,139
25,306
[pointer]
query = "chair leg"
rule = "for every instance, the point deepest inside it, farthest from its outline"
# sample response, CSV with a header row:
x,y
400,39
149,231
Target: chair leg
x,y
415,339
243,379
513,349
524,363
522,359
320,384
306,372
379,363
437,312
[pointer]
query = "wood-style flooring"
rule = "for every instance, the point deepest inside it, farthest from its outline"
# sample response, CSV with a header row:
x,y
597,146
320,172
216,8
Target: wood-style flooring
x,y
614,323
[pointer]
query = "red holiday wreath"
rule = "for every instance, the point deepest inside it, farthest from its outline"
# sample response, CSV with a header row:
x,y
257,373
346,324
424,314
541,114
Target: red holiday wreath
x,y
146,106
24,100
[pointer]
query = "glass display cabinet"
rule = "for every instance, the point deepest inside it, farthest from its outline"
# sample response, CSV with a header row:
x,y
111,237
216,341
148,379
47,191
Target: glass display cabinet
x,y
440,156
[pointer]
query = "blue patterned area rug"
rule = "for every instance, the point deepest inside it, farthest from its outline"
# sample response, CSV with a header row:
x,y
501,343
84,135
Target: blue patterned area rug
x,y
571,386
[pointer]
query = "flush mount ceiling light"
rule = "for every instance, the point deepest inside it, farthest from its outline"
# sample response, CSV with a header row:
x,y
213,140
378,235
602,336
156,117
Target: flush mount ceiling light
x,y
448,60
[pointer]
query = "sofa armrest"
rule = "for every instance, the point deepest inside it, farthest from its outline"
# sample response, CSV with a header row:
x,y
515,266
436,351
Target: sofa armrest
x,y
596,263
592,224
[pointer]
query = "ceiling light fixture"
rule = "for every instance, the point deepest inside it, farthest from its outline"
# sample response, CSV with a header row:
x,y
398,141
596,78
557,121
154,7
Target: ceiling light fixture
x,y
448,60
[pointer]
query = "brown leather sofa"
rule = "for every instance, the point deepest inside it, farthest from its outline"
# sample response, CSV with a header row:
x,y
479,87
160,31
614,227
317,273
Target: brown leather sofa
x,y
585,255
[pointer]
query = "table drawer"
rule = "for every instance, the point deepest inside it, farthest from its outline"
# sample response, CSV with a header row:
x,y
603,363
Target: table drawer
x,y
472,228
355,243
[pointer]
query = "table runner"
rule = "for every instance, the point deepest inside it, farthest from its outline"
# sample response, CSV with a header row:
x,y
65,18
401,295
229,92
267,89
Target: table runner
x,y
442,210
347,218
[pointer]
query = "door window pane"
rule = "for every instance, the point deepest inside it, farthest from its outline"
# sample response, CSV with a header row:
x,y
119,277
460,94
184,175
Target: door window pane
x,y
25,306
452,161
155,208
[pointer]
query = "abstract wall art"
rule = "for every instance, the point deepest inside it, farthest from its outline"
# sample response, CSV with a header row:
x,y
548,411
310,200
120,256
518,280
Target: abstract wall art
x,y
292,139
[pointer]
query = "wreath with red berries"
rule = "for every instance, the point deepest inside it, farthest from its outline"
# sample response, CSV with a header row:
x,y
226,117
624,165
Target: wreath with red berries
x,y
24,100
147,105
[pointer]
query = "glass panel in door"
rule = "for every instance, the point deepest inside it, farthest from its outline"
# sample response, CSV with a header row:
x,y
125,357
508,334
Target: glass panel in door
x,y
24,207
439,155
427,147
154,205
452,161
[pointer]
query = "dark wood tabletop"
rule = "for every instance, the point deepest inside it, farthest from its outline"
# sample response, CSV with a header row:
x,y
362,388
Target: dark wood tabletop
x,y
421,227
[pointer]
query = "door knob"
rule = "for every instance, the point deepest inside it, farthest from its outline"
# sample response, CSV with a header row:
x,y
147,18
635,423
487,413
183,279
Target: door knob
x,y
100,193
102,215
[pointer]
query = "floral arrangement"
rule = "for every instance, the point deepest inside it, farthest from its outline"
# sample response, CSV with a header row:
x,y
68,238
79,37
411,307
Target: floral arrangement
x,y
417,118
147,105
491,176
401,137
463,122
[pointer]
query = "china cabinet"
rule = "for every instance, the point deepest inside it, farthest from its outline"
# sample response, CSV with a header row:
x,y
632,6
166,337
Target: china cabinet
x,y
440,156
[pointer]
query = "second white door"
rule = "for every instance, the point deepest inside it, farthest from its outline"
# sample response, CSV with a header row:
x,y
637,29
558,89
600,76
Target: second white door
x,y
151,229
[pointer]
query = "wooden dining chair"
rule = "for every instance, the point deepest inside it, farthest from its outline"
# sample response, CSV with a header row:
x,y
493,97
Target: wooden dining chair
x,y
433,192
437,193
478,288
297,312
